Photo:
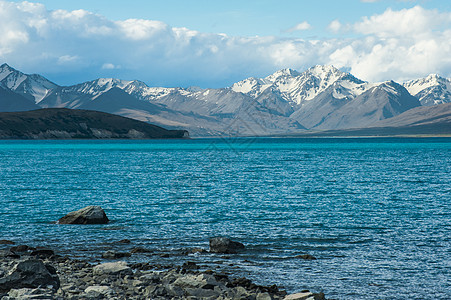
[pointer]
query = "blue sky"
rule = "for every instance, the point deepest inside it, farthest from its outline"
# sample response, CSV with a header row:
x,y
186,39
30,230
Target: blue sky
x,y
215,43
243,17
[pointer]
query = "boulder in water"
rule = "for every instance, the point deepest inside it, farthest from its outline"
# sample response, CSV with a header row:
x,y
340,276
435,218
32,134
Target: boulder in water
x,y
306,257
224,245
111,254
87,215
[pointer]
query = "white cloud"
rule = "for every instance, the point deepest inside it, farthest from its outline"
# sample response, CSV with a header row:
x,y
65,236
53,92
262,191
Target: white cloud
x,y
67,59
335,26
300,27
110,66
80,45
400,44
406,22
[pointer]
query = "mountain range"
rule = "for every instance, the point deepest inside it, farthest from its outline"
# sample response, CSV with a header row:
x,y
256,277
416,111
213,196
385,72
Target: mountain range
x,y
321,98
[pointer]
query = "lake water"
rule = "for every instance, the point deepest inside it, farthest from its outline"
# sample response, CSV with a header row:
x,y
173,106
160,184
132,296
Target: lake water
x,y
376,213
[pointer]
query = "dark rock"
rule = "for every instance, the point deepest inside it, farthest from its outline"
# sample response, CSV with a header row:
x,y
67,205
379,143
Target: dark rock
x,y
143,266
110,254
87,215
124,241
140,250
189,265
6,242
8,254
164,255
42,253
224,245
21,248
306,257
30,274
243,282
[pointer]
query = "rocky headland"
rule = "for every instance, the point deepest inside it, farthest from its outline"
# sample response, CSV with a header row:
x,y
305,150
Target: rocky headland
x,y
63,123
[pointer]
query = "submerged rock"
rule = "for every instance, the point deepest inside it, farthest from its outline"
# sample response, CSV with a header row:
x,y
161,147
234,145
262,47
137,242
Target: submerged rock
x,y
42,253
21,248
306,257
194,251
305,296
111,254
32,273
87,215
6,242
124,241
189,265
140,250
224,245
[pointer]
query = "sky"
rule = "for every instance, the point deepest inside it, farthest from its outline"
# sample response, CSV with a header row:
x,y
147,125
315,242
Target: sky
x,y
216,43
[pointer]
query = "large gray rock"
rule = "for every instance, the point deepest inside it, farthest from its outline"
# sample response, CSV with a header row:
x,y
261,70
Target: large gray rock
x,y
112,268
87,215
99,292
32,273
29,294
224,245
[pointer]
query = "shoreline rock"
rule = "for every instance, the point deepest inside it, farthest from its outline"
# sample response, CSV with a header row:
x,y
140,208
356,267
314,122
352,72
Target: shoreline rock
x,y
46,275
32,273
225,245
65,278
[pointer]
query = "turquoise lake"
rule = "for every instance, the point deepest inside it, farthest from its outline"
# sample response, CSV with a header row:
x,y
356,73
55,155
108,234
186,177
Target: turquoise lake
x,y
375,212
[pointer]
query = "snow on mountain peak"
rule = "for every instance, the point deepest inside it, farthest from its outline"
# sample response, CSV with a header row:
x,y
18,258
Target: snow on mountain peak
x,y
34,87
327,74
430,90
323,69
297,87
282,73
5,70
251,86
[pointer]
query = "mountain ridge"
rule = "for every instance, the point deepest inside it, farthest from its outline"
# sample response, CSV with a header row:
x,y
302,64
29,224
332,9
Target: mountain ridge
x,y
320,98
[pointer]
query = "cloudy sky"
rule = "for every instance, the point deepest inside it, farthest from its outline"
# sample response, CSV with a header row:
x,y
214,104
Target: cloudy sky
x,y
211,43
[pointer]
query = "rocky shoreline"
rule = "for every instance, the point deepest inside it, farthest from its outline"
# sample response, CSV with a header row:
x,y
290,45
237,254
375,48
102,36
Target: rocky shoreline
x,y
40,273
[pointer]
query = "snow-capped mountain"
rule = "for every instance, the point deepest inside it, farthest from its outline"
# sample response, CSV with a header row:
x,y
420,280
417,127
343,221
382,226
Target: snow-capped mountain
x,y
431,90
286,101
33,87
298,88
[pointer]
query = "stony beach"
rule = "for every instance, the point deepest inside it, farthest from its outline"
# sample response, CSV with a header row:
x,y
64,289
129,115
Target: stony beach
x,y
28,272
34,273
